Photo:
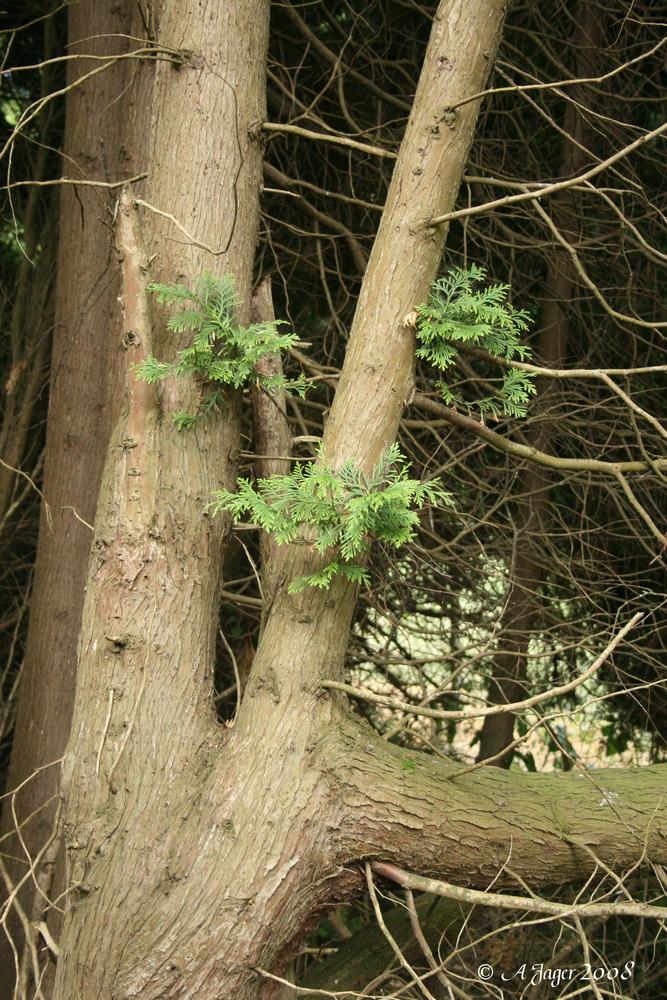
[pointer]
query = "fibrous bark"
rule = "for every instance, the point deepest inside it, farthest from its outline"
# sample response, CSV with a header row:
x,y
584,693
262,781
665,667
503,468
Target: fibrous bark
x,y
143,731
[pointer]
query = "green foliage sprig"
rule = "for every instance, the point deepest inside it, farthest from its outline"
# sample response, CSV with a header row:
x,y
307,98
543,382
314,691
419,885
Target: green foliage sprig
x,y
343,510
223,352
457,313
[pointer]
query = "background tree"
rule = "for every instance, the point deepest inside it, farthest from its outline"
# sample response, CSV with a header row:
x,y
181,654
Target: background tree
x,y
84,368
444,616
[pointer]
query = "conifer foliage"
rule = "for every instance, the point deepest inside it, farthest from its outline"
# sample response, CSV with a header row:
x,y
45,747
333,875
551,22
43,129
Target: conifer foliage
x,y
223,352
457,314
341,510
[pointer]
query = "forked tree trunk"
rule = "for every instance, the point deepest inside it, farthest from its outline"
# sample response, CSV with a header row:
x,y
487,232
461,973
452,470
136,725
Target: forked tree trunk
x,y
144,736
198,854
148,770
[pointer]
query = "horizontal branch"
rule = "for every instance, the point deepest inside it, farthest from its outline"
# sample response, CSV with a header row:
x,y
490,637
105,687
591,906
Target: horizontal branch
x,y
532,904
515,199
416,810
575,81
77,183
563,373
141,53
34,109
252,602
334,139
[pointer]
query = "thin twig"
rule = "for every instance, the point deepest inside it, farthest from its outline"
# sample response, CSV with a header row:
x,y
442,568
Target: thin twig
x,y
236,672
478,713
532,903
383,927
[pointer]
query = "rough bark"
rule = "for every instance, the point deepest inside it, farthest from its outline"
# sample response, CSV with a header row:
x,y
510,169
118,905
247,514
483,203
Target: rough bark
x,y
152,595
464,827
377,376
199,858
84,357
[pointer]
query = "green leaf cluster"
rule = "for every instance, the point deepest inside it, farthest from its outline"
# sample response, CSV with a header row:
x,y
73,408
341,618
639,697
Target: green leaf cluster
x,y
458,313
342,510
223,353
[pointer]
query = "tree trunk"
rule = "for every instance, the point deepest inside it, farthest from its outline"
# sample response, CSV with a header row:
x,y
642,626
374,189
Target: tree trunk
x,y
149,621
507,683
32,306
519,618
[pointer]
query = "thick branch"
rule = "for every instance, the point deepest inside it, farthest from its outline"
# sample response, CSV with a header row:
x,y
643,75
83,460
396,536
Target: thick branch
x,y
377,377
409,809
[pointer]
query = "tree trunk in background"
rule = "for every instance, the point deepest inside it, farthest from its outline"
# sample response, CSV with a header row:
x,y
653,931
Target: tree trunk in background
x,y
32,307
108,107
507,683
532,517
272,438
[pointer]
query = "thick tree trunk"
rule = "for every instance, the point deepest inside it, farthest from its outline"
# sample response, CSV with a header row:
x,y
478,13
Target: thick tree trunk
x,y
213,841
144,734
